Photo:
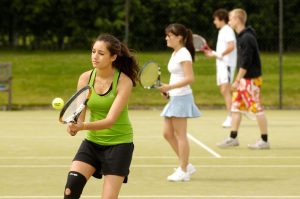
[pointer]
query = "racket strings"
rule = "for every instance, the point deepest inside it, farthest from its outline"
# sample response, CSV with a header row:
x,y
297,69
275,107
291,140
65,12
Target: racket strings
x,y
149,74
199,42
75,106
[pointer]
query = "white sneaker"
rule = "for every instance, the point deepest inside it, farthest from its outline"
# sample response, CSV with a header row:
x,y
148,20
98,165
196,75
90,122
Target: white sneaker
x,y
179,176
260,144
228,142
227,122
191,169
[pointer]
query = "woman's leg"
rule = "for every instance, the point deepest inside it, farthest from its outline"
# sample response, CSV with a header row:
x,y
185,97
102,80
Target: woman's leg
x,y
79,173
112,186
180,128
169,134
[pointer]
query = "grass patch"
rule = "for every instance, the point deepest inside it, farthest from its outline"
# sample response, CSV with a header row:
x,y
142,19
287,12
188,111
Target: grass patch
x,y
39,76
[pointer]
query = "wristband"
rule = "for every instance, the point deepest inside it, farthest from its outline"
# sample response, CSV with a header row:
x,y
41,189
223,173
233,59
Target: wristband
x,y
83,125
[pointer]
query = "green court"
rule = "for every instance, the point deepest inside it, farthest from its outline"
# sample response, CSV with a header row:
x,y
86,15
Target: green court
x,y
36,152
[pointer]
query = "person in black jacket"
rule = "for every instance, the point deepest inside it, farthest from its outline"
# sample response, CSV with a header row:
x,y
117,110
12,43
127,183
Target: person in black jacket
x,y
247,84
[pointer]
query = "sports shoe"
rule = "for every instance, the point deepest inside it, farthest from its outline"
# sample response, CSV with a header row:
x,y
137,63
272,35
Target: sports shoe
x,y
260,144
228,142
191,169
179,175
227,122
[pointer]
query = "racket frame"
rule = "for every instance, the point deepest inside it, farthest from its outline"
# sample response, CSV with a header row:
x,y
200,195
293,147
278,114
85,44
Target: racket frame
x,y
205,45
74,117
157,82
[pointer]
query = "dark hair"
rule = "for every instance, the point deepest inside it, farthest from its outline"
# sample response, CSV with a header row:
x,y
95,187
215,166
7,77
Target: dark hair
x,y
187,35
221,14
125,62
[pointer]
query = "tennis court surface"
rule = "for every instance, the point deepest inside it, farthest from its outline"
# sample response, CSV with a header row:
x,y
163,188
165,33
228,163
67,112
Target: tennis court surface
x,y
36,152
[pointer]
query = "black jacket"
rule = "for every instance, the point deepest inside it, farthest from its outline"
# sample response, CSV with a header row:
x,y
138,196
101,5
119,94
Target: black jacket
x,y
248,53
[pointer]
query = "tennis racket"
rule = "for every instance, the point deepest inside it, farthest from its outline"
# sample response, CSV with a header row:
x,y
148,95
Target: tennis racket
x,y
149,76
74,106
200,43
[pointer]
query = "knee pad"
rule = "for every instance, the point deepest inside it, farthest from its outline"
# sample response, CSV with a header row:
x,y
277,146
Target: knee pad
x,y
74,186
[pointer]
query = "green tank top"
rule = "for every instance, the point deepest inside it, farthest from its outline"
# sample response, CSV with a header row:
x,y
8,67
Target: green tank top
x,y
99,105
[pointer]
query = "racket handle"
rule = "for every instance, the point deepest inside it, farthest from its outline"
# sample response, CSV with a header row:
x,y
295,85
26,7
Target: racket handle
x,y
166,95
205,48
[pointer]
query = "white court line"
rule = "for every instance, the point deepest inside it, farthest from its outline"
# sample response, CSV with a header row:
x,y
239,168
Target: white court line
x,y
32,137
158,166
202,196
223,157
158,196
203,146
36,158
148,157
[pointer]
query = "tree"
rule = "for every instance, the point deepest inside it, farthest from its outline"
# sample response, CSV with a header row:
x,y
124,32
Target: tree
x,y
60,24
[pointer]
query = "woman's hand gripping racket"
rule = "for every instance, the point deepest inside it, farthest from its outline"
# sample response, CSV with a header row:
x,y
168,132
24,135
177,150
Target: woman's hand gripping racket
x,y
74,106
150,76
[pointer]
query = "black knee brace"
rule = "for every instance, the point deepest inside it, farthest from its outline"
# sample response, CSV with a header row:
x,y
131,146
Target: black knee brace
x,y
74,186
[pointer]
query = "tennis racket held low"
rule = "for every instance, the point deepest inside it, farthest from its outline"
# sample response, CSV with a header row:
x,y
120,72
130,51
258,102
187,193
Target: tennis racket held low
x,y
75,105
149,76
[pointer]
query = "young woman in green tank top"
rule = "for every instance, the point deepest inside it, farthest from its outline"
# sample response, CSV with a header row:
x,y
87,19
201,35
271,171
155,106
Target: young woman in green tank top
x,y
108,146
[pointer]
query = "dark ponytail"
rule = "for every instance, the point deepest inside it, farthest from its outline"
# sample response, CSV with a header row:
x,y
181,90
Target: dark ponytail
x,y
125,61
189,43
187,36
127,64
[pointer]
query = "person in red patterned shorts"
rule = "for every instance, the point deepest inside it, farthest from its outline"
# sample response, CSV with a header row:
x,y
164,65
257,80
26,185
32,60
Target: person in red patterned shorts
x,y
248,82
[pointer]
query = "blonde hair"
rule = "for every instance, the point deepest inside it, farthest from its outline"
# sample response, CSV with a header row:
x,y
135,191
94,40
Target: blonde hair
x,y
240,14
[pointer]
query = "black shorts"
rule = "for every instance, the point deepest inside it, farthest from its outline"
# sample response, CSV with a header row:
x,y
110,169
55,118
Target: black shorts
x,y
107,160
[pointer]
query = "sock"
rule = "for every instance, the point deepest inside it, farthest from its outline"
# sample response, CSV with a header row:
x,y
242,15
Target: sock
x,y
264,137
233,134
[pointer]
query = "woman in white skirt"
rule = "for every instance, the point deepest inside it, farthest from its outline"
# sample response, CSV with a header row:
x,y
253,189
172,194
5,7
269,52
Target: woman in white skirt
x,y
181,102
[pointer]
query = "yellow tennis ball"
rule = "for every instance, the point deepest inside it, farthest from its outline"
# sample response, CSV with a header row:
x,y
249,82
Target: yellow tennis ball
x,y
58,103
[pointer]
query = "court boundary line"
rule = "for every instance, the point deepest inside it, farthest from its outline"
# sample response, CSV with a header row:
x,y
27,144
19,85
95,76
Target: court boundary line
x,y
158,166
150,157
198,142
163,196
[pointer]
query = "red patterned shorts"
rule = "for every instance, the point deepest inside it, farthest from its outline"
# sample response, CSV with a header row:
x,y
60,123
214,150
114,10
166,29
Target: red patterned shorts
x,y
247,96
